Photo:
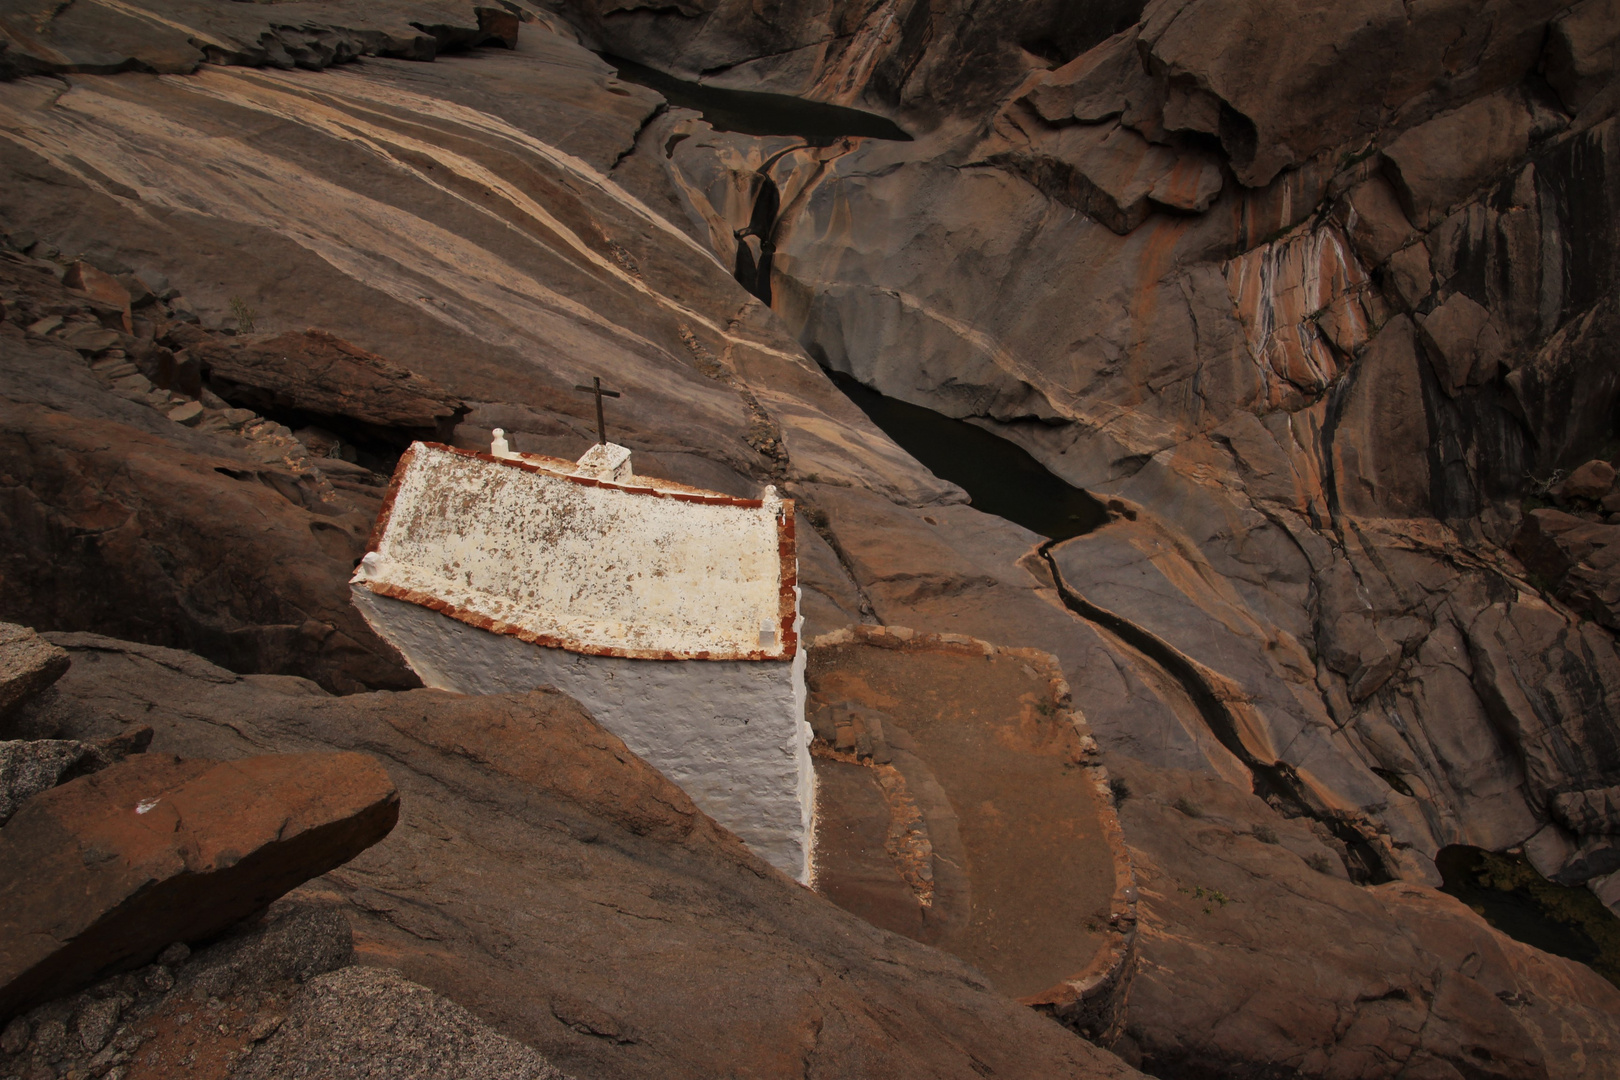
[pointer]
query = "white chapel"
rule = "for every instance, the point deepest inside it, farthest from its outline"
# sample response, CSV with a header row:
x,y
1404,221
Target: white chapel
x,y
669,612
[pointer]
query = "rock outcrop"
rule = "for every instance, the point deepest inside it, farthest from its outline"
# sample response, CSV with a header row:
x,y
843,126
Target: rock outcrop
x,y
568,895
277,996
1252,952
1315,294
176,36
323,376
105,871
28,665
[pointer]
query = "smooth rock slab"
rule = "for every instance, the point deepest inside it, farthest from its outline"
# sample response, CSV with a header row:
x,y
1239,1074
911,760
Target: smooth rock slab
x,y
103,872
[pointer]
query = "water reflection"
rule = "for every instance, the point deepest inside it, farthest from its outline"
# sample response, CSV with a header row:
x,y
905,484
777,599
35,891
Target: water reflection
x,y
999,476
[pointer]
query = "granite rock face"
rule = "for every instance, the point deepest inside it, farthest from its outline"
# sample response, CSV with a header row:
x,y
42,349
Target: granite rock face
x,y
576,901
356,1021
276,994
1315,294
40,39
1334,980
28,665
30,766
320,374
105,871
1326,382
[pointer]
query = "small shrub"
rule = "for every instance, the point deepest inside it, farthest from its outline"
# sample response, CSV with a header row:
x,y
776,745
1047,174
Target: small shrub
x,y
1265,834
1188,807
244,314
1119,789
1318,862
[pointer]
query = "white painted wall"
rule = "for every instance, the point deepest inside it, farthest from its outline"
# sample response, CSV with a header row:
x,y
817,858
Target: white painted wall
x,y
731,733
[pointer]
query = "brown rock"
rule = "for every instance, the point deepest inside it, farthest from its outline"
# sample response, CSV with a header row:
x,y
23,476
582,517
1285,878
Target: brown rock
x,y
1098,85
1381,447
1266,60
1115,175
573,898
106,871
181,542
316,372
1553,684
1591,481
1464,344
1334,980
1410,274
1579,559
1375,221
1596,810
101,287
30,766
1436,165
28,664
1580,54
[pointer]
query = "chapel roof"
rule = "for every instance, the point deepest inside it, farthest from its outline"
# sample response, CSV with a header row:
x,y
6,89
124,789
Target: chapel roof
x,y
648,569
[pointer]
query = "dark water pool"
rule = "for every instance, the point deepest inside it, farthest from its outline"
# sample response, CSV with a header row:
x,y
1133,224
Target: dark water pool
x,y
750,112
1512,897
1000,477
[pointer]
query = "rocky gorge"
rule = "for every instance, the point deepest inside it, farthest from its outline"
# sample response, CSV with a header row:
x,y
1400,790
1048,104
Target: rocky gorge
x,y
1316,299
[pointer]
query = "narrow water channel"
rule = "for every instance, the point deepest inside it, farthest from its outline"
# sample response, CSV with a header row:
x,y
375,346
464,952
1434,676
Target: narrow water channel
x,y
999,476
749,112
1560,919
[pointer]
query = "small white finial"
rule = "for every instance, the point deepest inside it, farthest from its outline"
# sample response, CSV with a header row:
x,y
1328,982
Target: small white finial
x,y
369,567
771,501
498,445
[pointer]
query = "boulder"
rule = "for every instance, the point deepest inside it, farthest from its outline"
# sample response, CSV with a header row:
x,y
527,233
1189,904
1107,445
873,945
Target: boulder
x,y
320,374
1098,85
1299,78
1373,217
1580,55
1578,559
1464,344
1436,165
1551,683
1590,481
1589,812
175,36
102,288
104,872
28,664
1412,278
1380,448
1115,175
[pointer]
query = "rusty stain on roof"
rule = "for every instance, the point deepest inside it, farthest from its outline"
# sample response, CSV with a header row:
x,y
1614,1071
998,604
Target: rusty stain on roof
x,y
646,570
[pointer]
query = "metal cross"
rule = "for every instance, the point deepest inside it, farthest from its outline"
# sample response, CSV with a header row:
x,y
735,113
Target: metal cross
x,y
601,424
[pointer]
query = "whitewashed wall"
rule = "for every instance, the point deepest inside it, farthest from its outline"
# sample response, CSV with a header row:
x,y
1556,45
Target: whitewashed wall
x,y
731,733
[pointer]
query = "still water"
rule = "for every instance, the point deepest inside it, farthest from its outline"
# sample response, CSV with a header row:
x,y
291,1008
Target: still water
x,y
999,476
749,112
1512,897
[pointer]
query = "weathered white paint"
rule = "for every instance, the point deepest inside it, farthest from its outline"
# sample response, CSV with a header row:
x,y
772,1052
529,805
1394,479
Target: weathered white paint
x,y
606,461
731,733
670,613
587,566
